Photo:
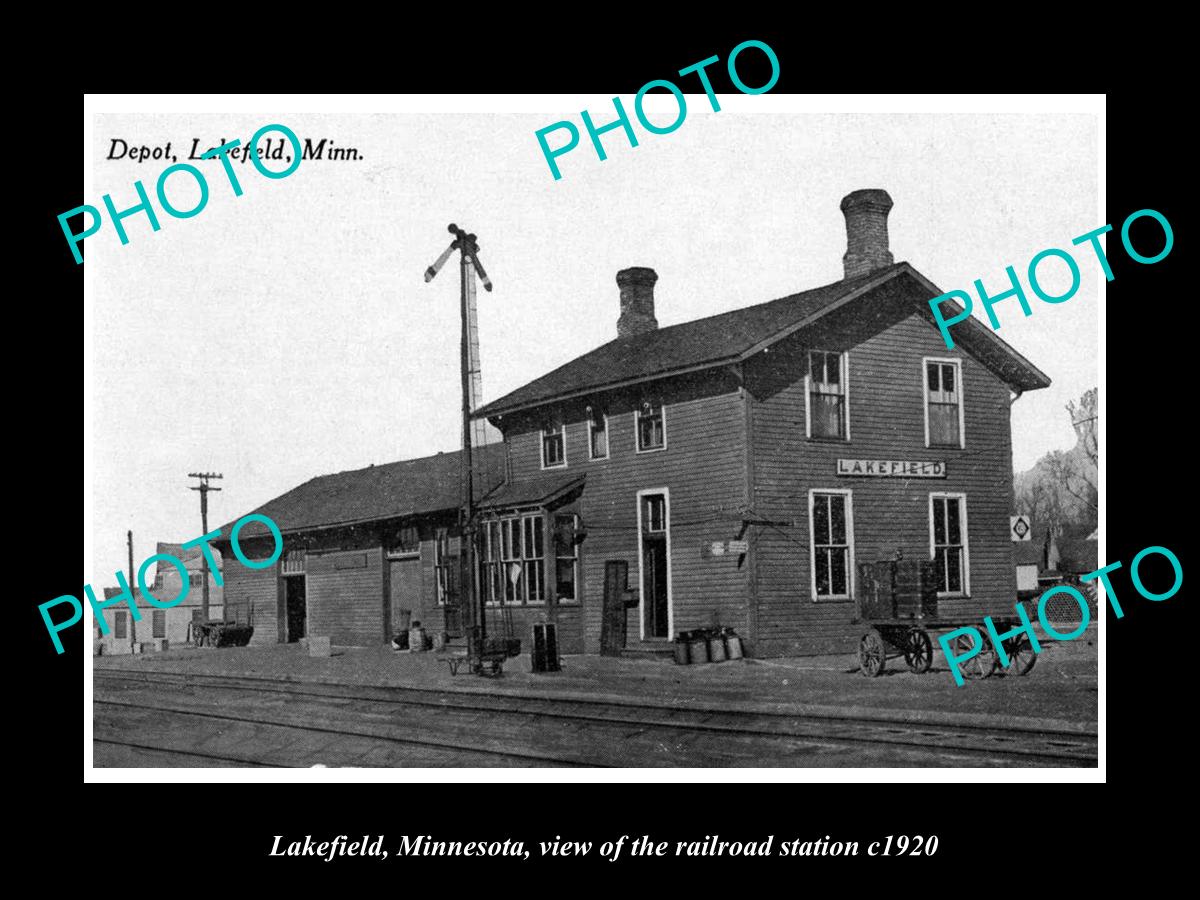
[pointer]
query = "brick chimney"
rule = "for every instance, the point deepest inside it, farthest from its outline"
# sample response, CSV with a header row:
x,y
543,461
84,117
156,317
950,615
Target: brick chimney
x,y
637,301
866,214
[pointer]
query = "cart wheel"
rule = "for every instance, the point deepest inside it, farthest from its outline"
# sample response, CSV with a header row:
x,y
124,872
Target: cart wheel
x,y
980,666
918,652
1021,658
872,654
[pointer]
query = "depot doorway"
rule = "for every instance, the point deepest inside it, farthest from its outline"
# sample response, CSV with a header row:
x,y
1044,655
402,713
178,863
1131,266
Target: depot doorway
x,y
296,604
654,558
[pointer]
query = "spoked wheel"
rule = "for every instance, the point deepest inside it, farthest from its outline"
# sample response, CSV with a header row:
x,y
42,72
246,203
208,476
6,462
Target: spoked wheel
x,y
1021,658
918,651
872,654
979,666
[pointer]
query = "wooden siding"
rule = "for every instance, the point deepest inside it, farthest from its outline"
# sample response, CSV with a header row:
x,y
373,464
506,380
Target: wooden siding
x,y
345,596
245,586
703,469
886,407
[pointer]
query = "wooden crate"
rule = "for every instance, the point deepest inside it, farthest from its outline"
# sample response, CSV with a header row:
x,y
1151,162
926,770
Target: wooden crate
x,y
896,589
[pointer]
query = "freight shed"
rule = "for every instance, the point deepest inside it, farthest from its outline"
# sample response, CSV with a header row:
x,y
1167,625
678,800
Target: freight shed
x,y
365,553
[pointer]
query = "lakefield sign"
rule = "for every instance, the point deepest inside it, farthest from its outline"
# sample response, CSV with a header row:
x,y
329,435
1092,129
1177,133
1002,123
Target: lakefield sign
x,y
891,468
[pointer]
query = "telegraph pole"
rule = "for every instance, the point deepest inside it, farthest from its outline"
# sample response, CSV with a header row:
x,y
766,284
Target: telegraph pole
x,y
132,591
204,488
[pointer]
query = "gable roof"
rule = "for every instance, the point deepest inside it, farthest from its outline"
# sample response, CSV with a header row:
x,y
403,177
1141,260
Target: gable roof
x,y
1028,553
192,557
406,488
734,336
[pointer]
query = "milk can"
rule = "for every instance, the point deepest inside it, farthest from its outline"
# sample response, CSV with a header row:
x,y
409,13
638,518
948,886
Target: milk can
x,y
716,648
681,649
733,645
416,638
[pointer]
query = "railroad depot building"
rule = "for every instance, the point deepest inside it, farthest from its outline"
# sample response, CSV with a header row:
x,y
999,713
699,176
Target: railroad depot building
x,y
742,466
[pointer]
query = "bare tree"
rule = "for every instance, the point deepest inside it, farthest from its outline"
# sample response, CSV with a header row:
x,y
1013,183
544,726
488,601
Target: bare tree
x,y
1074,478
1085,417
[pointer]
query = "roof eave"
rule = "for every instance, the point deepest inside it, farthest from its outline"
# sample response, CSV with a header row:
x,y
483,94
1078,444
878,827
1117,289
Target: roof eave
x,y
349,523
1036,377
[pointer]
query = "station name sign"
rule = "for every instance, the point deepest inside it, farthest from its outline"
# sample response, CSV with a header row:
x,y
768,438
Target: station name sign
x,y
891,468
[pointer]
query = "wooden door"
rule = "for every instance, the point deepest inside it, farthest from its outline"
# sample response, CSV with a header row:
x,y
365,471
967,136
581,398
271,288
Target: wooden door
x,y
406,593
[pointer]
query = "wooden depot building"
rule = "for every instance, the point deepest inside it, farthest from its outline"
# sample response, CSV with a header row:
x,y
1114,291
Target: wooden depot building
x,y
741,466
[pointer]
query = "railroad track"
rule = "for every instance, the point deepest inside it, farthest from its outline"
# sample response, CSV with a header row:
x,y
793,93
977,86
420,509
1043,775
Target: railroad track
x,y
958,741
461,755
207,757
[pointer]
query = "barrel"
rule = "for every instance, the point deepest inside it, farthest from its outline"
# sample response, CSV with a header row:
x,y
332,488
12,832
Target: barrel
x,y
733,646
681,652
698,650
716,649
439,640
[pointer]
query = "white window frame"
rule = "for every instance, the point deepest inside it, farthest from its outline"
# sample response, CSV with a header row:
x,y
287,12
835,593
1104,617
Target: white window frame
x,y
966,540
666,494
844,374
441,553
637,431
494,556
962,396
812,545
607,438
405,554
574,558
562,433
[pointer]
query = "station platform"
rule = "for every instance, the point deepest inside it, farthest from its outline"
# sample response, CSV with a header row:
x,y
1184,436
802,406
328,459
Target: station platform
x,y
1062,688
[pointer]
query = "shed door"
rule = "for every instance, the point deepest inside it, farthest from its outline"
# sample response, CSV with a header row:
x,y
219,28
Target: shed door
x,y
406,593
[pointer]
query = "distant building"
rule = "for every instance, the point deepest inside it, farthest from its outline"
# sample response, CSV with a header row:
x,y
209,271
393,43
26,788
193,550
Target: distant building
x,y
161,625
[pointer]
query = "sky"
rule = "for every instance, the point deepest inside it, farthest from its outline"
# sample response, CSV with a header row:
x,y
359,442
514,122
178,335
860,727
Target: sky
x,y
289,332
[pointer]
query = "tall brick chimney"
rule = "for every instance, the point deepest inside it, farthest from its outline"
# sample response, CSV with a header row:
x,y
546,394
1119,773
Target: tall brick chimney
x,y
866,214
637,301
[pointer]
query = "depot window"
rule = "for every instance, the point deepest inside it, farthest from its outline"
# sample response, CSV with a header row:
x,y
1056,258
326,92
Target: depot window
x,y
943,403
826,395
513,560
948,544
566,558
554,446
831,525
651,427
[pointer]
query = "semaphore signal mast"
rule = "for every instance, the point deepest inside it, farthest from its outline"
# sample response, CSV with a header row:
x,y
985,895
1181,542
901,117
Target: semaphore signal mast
x,y
472,387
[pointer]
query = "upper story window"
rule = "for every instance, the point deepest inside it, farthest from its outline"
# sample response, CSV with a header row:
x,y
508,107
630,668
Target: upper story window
x,y
597,436
943,403
651,427
554,446
827,417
